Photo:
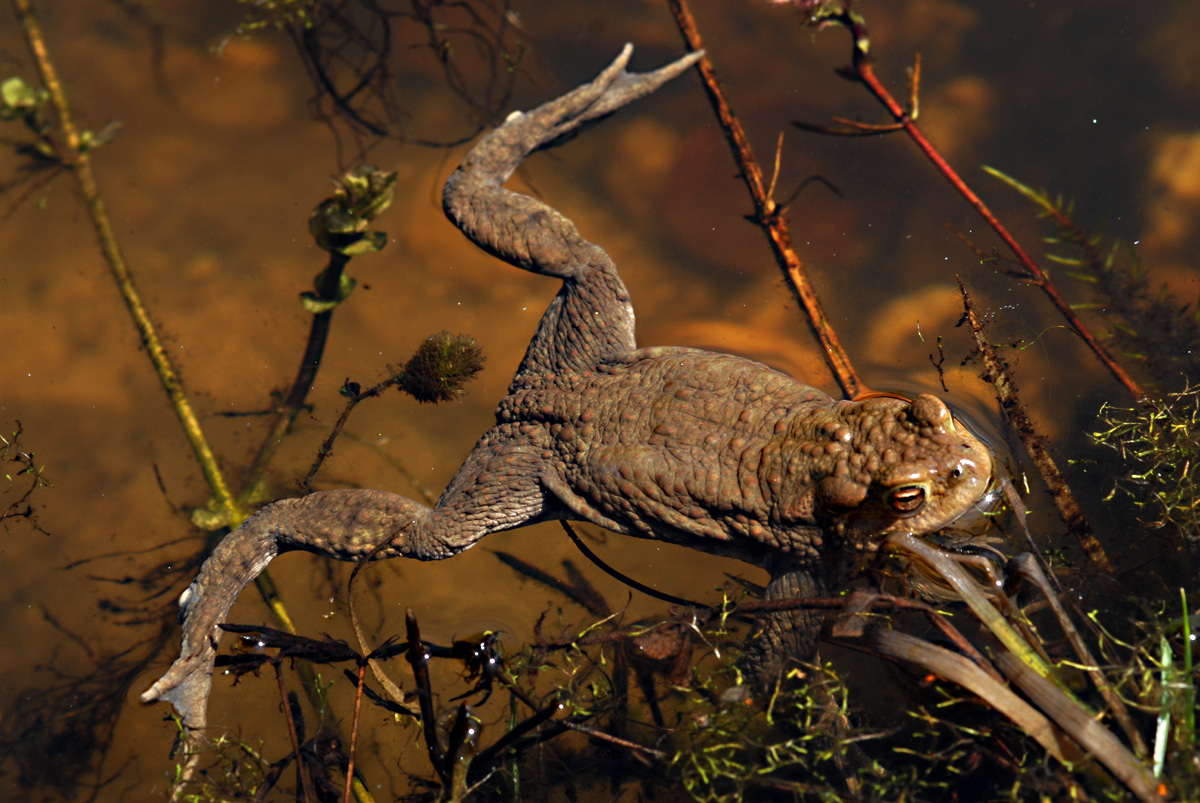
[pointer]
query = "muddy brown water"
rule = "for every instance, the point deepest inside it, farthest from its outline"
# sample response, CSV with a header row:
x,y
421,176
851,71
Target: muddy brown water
x,y
209,185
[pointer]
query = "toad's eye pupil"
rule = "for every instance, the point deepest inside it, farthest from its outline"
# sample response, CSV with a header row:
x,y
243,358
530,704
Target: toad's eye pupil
x,y
907,499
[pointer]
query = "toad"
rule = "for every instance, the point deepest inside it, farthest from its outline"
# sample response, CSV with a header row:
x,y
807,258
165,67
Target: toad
x,y
712,451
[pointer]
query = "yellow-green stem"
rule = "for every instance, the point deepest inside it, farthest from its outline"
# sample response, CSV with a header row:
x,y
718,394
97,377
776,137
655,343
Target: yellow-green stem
x,y
78,159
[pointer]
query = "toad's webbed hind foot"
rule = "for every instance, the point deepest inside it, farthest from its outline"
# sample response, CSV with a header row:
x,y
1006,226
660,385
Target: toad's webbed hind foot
x,y
346,524
591,319
495,157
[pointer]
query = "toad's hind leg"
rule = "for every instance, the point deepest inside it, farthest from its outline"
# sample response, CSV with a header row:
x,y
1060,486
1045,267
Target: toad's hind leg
x,y
591,319
496,489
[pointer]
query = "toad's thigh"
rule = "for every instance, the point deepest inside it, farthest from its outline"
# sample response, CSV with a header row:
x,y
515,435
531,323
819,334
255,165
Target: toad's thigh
x,y
496,488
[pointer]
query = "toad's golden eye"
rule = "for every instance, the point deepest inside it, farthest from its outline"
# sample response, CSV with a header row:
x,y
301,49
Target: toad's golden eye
x,y
907,499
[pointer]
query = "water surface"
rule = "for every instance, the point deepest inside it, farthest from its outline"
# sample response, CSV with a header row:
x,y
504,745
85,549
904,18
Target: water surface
x,y
209,185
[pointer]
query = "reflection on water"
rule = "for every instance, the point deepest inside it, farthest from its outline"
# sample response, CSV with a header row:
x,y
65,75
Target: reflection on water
x,y
210,183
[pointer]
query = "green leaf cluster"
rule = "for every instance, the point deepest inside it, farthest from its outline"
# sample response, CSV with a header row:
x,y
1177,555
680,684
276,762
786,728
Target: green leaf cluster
x,y
279,14
18,100
341,223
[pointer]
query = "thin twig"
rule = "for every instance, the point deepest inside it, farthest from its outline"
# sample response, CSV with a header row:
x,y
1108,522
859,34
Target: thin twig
x,y
285,415
952,573
1027,566
601,736
959,670
1060,491
621,576
394,692
767,213
305,781
1098,741
490,754
362,676
326,448
420,667
864,71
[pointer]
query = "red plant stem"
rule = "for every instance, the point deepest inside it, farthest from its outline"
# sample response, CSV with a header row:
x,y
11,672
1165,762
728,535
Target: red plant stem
x,y
420,668
767,213
362,675
305,781
865,72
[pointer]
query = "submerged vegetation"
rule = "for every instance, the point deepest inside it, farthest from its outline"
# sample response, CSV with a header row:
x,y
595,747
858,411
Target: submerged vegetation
x,y
24,477
1036,700
1148,325
1160,443
1159,438
609,706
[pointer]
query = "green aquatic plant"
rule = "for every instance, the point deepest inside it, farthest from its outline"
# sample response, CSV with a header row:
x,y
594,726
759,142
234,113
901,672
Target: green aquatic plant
x,y
24,477
1175,731
236,769
730,747
809,743
1155,669
281,14
1147,325
1160,442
